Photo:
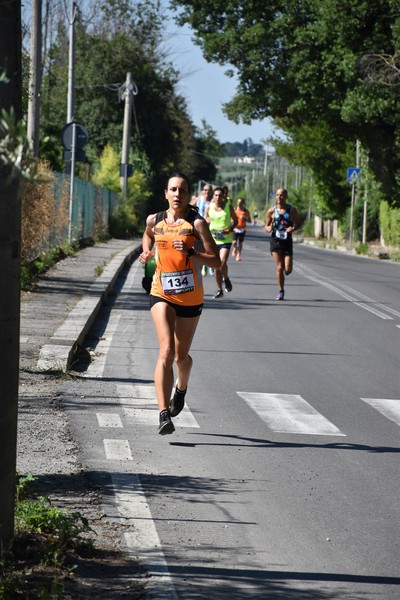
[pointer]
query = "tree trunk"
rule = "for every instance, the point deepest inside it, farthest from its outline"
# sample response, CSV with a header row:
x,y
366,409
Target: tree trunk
x,y
10,241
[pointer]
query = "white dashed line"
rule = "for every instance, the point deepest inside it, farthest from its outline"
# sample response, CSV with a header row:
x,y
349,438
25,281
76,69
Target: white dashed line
x,y
117,450
109,420
143,540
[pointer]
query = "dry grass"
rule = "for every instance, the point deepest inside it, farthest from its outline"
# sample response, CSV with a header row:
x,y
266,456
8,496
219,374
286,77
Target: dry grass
x,y
44,219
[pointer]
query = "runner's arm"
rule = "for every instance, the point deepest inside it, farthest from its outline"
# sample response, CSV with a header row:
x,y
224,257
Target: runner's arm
x,y
296,220
210,256
268,220
148,240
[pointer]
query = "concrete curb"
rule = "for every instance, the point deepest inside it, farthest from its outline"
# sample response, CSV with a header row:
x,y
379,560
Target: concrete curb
x,y
60,352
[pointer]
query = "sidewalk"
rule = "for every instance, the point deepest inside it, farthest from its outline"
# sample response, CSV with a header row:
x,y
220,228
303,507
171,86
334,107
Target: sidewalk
x,y
57,315
54,318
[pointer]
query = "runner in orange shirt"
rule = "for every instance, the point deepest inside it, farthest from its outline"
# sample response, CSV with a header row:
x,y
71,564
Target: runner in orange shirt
x,y
239,232
183,244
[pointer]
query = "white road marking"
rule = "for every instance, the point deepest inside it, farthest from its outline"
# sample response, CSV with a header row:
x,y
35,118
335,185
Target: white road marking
x,y
96,368
389,309
143,540
313,276
140,405
109,420
387,407
117,450
289,413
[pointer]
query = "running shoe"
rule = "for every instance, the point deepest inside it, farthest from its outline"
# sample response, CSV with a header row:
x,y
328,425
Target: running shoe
x,y
280,295
228,284
166,425
177,402
204,271
238,257
218,294
211,272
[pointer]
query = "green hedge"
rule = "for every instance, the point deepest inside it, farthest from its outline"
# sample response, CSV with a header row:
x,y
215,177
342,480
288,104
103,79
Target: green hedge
x,y
389,219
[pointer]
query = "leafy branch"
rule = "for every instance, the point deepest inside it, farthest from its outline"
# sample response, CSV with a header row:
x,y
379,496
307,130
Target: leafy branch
x,y
15,147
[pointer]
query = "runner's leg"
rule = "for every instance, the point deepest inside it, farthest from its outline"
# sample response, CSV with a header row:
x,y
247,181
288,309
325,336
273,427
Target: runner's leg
x,y
279,262
164,318
184,331
288,265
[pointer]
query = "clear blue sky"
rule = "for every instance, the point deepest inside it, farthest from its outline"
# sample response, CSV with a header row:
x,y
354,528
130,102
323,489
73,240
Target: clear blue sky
x,y
206,88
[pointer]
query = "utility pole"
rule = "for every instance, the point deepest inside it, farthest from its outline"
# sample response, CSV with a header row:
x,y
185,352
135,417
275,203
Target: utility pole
x,y
35,76
10,250
128,91
266,174
365,208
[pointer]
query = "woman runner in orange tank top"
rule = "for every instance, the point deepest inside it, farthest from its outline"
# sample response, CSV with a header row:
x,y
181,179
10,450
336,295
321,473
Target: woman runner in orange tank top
x,y
183,244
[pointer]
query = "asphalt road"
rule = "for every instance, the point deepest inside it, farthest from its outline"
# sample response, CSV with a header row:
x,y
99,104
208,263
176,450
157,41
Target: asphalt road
x,y
282,478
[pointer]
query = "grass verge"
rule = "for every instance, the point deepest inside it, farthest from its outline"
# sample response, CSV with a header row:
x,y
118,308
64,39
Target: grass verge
x,y
45,548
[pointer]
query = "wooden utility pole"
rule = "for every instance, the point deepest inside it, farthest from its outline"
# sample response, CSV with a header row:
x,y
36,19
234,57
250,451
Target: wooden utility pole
x,y
10,243
35,76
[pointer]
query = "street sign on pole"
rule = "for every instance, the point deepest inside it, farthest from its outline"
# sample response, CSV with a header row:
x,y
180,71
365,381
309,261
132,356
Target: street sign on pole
x,y
125,170
353,174
80,155
81,134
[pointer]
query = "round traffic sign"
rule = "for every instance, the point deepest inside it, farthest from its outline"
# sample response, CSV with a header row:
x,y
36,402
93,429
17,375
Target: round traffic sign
x,y
81,135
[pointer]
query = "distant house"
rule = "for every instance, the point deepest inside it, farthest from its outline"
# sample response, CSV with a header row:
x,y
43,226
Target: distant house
x,y
244,160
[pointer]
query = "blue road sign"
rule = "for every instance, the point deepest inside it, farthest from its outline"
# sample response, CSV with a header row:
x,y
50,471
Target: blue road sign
x,y
353,174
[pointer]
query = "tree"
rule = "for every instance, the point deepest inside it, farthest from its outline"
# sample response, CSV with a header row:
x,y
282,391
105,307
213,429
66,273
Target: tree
x,y
300,62
10,243
112,40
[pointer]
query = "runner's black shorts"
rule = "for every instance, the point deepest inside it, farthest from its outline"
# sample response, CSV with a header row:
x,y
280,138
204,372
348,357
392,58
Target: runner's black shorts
x,y
239,236
181,311
284,246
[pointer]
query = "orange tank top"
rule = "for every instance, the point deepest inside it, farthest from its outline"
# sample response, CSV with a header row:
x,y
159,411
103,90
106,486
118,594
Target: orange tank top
x,y
177,277
241,215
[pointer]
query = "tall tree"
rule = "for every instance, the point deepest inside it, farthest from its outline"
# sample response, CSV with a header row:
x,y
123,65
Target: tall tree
x,y
10,242
161,126
300,62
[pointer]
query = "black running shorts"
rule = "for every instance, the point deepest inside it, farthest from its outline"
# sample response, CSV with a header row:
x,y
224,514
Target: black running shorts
x,y
284,246
180,309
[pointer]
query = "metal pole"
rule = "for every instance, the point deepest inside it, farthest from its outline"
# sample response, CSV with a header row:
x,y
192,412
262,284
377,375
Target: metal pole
x,y
353,195
72,182
71,65
354,192
365,216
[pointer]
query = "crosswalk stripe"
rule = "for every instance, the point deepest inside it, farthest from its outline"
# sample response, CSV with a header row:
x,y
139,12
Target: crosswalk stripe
x,y
387,407
140,406
117,450
109,420
289,413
